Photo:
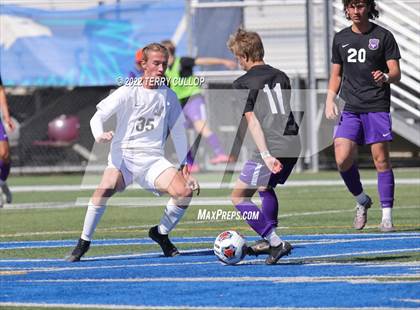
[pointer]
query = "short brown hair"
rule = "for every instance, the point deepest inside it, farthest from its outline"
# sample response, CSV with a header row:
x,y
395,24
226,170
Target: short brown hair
x,y
154,47
246,44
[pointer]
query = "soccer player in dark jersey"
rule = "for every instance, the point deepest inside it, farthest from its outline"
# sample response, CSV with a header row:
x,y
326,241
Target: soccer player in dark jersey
x,y
273,128
4,146
192,101
365,61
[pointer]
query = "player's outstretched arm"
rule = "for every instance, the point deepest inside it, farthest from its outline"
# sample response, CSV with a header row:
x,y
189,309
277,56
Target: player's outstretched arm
x,y
331,109
210,61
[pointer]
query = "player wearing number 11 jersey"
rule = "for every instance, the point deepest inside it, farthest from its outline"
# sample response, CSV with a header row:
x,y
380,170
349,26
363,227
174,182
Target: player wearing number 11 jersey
x,y
265,91
365,61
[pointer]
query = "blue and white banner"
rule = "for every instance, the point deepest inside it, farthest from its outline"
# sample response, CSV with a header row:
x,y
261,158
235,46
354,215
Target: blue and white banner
x,y
88,47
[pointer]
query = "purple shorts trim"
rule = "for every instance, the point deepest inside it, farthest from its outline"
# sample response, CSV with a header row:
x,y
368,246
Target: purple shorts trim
x,y
257,174
364,128
194,110
3,134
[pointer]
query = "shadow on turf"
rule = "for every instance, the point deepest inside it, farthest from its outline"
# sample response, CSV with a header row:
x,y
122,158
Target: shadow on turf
x,y
140,256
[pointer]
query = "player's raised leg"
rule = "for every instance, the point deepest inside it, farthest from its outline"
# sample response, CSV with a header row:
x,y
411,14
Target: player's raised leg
x,y
263,222
112,181
345,153
175,183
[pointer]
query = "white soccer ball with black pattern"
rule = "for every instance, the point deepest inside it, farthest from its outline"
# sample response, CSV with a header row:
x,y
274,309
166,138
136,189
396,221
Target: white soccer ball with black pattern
x,y
230,247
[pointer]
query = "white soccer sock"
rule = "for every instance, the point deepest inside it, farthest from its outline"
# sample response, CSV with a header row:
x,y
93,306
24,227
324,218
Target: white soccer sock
x,y
92,218
386,214
170,217
273,238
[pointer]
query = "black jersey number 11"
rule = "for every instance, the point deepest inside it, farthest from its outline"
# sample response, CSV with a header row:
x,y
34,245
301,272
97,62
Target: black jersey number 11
x,y
278,93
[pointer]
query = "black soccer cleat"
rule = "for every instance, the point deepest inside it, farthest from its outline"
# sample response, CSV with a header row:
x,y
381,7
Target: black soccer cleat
x,y
81,248
169,250
285,248
259,247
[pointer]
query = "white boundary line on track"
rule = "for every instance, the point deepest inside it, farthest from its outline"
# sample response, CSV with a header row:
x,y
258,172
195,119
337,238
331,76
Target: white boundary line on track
x,y
285,260
215,262
128,307
350,279
134,242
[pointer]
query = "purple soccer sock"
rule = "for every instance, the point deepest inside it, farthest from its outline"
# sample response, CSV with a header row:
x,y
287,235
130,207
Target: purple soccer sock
x,y
352,179
4,170
386,185
190,159
270,206
214,143
254,217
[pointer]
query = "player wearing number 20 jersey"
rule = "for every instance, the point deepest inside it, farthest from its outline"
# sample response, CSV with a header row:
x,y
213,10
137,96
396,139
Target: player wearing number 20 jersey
x,y
359,55
365,61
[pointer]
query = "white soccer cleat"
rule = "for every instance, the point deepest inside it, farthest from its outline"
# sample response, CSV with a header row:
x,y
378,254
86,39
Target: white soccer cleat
x,y
387,226
360,218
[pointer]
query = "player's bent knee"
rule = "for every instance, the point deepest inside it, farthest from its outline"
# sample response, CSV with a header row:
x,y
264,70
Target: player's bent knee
x,y
382,164
236,199
4,154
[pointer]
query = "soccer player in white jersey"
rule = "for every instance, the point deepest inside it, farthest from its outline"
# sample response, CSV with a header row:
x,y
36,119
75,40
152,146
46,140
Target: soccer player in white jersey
x,y
145,113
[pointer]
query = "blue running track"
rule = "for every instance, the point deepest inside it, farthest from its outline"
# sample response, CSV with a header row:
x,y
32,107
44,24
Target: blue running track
x,y
311,277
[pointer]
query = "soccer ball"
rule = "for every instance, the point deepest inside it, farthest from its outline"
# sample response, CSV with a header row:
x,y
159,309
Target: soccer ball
x,y
230,247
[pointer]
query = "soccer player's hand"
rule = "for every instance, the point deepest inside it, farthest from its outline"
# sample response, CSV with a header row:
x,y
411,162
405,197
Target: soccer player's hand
x,y
191,181
10,124
105,137
193,184
331,110
379,77
273,164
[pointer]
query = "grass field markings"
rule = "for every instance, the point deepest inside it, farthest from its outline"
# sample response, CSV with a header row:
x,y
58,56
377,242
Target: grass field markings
x,y
203,185
146,241
146,227
383,279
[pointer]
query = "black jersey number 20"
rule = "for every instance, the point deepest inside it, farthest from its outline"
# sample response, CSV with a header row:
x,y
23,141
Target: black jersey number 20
x,y
356,55
278,93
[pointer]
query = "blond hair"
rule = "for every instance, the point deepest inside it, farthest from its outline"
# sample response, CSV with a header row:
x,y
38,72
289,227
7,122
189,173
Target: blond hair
x,y
154,47
247,44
